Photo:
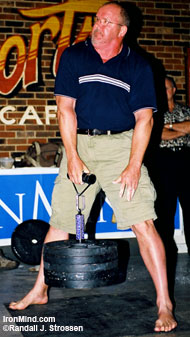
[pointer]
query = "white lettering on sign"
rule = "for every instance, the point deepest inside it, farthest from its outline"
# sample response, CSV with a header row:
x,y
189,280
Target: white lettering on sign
x,y
39,192
4,110
101,218
11,213
29,114
48,113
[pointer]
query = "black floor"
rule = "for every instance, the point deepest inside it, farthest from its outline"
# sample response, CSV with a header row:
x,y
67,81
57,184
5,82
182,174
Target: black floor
x,y
121,310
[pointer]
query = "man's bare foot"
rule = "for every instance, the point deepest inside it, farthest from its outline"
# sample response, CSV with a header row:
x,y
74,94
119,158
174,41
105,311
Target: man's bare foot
x,y
31,298
165,322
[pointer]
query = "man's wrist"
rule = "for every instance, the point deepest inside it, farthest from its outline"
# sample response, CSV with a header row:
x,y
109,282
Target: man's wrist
x,y
171,126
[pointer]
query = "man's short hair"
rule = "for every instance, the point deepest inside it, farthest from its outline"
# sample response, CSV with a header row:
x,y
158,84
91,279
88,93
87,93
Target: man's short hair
x,y
169,78
123,12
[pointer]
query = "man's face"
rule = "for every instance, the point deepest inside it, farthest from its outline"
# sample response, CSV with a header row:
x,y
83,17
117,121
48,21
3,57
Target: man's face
x,y
107,27
170,90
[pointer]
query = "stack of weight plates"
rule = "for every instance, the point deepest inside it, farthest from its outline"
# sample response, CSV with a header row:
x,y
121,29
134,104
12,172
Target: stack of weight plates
x,y
90,264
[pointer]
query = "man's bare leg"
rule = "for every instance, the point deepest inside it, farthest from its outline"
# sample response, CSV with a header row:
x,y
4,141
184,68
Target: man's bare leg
x,y
153,254
38,294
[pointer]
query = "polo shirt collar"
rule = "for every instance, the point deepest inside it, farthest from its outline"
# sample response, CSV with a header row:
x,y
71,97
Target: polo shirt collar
x,y
124,52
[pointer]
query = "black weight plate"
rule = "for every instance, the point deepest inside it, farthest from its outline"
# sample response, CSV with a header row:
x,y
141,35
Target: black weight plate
x,y
73,248
27,240
102,275
81,267
82,284
88,284
69,260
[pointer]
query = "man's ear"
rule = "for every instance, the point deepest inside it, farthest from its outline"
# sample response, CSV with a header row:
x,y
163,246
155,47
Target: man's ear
x,y
123,31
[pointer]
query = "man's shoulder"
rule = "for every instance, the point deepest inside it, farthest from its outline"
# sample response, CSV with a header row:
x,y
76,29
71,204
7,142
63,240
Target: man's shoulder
x,y
182,107
77,47
137,58
73,54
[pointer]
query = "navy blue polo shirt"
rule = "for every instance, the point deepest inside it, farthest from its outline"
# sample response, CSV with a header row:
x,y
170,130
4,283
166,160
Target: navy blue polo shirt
x,y
107,94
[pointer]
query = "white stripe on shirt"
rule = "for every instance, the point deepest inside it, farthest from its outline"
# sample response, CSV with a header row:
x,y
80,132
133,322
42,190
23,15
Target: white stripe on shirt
x,y
104,79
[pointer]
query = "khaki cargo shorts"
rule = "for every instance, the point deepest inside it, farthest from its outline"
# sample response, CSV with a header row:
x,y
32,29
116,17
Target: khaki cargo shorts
x,y
106,156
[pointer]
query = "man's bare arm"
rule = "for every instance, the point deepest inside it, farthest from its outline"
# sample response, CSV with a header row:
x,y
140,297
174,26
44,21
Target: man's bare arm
x,y
178,130
129,178
168,134
68,130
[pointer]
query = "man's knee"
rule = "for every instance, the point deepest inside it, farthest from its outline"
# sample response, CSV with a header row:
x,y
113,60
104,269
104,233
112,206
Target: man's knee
x,y
144,228
56,234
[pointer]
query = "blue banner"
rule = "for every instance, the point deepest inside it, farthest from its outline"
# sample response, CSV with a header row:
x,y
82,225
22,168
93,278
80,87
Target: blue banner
x,y
26,194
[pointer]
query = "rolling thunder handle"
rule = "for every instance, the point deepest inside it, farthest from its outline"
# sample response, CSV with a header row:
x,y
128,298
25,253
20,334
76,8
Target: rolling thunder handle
x,y
89,179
